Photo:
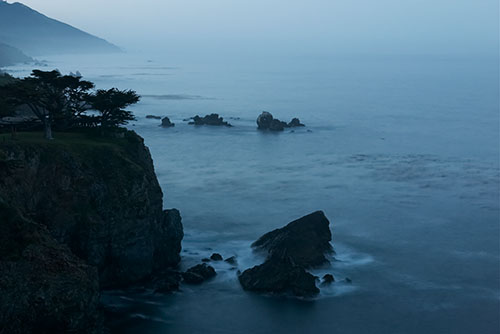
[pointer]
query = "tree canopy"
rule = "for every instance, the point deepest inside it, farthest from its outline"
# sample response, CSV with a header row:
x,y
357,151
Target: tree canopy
x,y
66,101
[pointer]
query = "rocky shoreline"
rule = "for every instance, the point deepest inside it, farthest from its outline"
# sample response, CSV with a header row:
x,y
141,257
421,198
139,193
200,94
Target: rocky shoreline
x,y
84,214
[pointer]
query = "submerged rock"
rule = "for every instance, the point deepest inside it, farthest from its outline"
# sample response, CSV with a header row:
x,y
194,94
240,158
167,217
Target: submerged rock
x,y
198,274
305,240
279,275
166,123
231,260
153,117
212,119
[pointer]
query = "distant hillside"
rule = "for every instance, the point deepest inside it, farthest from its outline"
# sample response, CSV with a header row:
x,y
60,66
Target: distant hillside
x,y
36,34
10,55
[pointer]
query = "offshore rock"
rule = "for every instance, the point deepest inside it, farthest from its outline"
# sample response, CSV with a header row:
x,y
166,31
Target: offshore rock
x,y
266,121
212,119
301,244
305,240
279,275
166,123
198,274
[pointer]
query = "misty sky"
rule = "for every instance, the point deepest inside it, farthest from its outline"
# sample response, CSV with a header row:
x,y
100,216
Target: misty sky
x,y
378,26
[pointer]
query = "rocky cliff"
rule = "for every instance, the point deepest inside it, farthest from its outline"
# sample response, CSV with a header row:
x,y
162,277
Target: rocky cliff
x,y
98,205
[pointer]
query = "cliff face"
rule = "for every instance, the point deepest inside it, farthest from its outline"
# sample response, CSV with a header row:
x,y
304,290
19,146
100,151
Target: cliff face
x,y
96,199
99,197
44,288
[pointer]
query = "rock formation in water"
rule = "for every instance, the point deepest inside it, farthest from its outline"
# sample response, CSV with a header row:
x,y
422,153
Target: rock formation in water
x,y
166,123
305,240
198,274
91,209
290,250
212,119
266,121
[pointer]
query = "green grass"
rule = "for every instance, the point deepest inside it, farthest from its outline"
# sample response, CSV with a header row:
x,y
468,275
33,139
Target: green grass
x,y
60,138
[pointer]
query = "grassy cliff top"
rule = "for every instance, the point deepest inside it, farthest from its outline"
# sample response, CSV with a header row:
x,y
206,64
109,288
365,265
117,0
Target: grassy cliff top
x,y
124,149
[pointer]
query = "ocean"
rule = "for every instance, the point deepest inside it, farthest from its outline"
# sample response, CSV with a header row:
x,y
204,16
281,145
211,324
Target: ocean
x,y
400,152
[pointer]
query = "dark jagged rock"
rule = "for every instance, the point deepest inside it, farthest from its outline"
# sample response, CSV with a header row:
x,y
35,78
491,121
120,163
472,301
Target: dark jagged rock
x,y
277,125
301,244
198,274
279,275
205,259
212,119
305,240
328,278
153,117
266,121
231,260
166,123
295,122
216,257
108,211
166,282
44,288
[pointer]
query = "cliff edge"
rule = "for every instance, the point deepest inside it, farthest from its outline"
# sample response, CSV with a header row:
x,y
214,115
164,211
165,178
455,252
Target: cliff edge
x,y
98,206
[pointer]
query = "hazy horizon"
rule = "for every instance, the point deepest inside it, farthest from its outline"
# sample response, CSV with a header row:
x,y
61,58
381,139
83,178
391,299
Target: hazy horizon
x,y
315,27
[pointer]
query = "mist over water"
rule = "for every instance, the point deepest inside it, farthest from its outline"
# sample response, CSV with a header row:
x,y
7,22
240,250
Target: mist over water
x,y
401,153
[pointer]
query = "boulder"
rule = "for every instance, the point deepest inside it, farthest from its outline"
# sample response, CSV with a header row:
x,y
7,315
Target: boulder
x,y
166,123
295,122
279,275
153,117
212,119
231,260
216,257
198,274
328,278
277,125
264,120
306,240
166,282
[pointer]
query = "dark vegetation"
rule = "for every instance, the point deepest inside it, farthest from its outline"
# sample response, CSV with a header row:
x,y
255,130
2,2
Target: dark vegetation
x,y
63,103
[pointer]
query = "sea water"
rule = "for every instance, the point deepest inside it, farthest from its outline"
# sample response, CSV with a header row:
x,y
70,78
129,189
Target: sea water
x,y
401,153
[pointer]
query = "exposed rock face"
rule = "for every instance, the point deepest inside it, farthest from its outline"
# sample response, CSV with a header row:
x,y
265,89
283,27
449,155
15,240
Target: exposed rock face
x,y
165,122
101,199
212,119
44,288
266,121
94,206
279,275
305,240
290,250
198,274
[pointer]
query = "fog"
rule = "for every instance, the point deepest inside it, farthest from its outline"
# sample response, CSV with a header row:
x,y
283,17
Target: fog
x,y
315,26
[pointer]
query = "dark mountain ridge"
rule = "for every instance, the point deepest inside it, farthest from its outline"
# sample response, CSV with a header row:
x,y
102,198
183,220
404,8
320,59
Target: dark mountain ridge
x,y
36,34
